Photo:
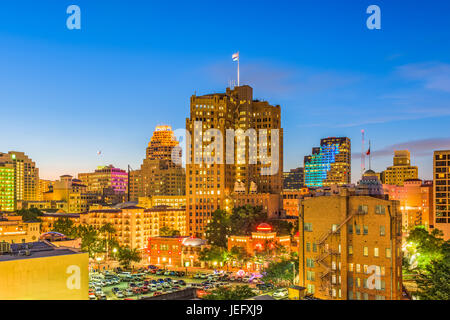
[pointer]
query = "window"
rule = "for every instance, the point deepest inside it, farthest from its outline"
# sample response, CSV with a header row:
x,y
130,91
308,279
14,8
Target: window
x,y
358,295
311,288
310,263
350,229
350,249
358,282
350,295
350,282
388,252
365,296
380,209
358,267
366,268
308,247
365,283
366,251
378,297
363,209
375,252
350,267
382,230
308,226
357,229
314,247
310,275
365,230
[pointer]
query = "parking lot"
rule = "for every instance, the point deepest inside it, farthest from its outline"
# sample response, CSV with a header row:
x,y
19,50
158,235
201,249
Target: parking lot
x,y
150,282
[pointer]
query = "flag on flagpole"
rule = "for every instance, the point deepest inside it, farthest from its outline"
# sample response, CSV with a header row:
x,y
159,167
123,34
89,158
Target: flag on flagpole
x,y
368,151
235,56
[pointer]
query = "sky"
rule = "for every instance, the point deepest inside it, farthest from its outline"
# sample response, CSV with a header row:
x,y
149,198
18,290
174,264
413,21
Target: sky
x,y
67,94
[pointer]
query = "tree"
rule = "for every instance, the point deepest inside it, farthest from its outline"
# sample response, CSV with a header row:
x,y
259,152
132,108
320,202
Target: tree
x,y
168,232
30,215
219,229
240,255
282,272
245,219
127,256
213,254
283,228
107,231
231,293
65,226
428,257
90,241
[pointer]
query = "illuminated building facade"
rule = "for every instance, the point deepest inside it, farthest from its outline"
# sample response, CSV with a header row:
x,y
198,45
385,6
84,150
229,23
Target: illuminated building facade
x,y
43,271
7,187
329,164
291,200
401,170
416,202
270,203
14,230
294,179
134,225
156,201
346,238
209,185
105,179
441,181
26,175
263,239
175,251
49,219
159,174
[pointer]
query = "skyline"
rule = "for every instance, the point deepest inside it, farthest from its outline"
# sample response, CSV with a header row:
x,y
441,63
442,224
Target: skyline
x,y
106,86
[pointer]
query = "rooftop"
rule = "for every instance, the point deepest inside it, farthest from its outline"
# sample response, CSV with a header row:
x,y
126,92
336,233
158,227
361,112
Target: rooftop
x,y
30,250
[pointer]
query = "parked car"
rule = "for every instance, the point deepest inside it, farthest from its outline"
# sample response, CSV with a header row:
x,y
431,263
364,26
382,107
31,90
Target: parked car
x,y
281,293
181,282
157,293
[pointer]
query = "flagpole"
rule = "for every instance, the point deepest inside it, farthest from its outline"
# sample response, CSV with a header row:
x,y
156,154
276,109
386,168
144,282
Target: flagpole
x,y
238,69
370,157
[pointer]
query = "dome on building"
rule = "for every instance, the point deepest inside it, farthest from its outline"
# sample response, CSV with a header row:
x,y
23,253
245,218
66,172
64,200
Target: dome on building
x,y
53,236
193,242
264,227
370,172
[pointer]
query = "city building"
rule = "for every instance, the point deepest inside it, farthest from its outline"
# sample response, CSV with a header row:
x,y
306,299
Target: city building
x,y
156,201
7,187
401,170
134,224
44,205
263,239
49,219
271,203
329,164
441,193
350,246
44,186
212,179
175,251
74,193
159,173
42,271
107,181
291,200
416,202
14,230
294,179
26,175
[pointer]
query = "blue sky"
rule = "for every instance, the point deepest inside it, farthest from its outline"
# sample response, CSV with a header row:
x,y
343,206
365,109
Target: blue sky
x,y
65,94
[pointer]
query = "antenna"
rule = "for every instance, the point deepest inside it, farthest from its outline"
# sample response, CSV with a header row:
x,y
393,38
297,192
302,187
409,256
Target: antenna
x,y
363,158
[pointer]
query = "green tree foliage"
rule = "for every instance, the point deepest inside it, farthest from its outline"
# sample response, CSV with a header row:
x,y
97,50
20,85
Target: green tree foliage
x,y
168,232
245,219
219,228
65,226
240,255
282,272
428,256
30,215
231,293
127,256
90,240
283,228
213,254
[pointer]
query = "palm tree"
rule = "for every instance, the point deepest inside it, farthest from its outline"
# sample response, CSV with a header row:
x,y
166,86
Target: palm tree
x,y
127,256
107,230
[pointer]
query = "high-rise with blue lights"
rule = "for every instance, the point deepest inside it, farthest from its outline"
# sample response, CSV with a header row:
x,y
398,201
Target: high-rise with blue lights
x,y
329,164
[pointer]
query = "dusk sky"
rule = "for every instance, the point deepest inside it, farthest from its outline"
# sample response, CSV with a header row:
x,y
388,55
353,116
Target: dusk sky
x,y
66,94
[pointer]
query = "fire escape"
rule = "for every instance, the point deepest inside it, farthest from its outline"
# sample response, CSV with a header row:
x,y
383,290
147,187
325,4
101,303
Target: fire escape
x,y
326,275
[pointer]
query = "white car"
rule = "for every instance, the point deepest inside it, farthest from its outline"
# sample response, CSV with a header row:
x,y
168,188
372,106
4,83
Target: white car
x,y
280,293
120,295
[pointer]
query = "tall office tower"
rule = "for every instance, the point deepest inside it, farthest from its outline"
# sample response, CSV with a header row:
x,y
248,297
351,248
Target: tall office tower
x,y
211,184
44,186
350,246
26,175
159,174
401,170
105,179
329,164
441,178
7,187
294,179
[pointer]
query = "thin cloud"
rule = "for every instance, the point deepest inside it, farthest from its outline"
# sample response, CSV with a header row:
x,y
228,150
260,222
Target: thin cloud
x,y
418,148
435,76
